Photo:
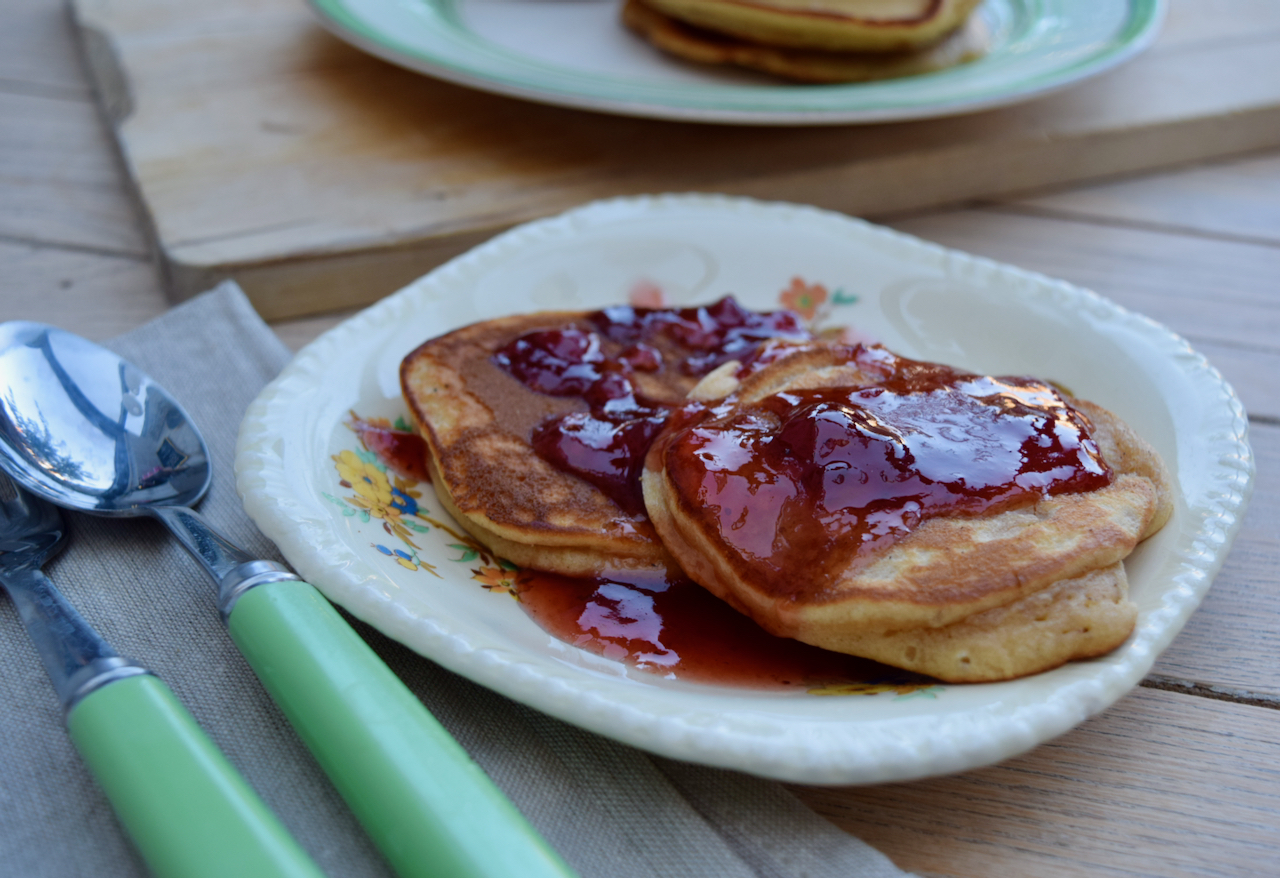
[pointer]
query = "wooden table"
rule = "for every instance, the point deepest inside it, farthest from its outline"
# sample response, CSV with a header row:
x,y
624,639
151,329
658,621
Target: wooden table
x,y
1181,777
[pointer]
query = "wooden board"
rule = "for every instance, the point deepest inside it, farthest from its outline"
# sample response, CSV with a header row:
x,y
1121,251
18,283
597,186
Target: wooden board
x,y
1235,201
266,150
1160,786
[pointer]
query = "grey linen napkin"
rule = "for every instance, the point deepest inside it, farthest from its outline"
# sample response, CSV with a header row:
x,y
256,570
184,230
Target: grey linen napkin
x,y
612,811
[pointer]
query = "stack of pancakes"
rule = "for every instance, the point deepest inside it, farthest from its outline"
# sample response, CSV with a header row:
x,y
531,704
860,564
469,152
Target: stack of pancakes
x,y
980,593
820,41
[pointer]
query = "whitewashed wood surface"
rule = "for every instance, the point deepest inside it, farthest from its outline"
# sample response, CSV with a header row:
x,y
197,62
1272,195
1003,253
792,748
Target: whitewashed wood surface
x,y
263,147
1182,777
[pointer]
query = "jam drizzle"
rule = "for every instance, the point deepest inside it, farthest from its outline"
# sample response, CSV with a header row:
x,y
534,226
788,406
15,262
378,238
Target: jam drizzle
x,y
598,361
673,627
819,479
402,450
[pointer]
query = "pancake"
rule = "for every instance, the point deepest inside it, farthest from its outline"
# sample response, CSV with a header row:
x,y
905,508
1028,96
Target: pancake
x,y
966,43
828,25
1078,618
919,587
536,425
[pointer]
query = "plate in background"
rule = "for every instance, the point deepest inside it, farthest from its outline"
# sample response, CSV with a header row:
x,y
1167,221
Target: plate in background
x,y
431,593
576,53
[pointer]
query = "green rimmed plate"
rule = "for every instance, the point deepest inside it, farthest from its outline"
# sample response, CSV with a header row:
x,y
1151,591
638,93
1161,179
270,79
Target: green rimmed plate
x,y
576,53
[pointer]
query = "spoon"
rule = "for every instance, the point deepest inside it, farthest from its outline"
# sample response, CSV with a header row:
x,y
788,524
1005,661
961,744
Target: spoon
x,y
188,811
87,430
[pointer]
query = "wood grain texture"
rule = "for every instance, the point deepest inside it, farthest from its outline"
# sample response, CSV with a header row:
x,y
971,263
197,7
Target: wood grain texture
x,y
1161,785
298,332
1218,294
1232,642
37,52
1229,22
1237,200
60,181
1251,372
266,150
91,294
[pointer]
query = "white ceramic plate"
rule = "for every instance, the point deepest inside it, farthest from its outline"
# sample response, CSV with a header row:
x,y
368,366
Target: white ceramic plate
x,y
576,53
919,299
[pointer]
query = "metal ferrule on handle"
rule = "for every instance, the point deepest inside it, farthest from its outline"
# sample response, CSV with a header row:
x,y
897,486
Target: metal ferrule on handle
x,y
98,673
235,584
429,808
217,554
234,570
76,658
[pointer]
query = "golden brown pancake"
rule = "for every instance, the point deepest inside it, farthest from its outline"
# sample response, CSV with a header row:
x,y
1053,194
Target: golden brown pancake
x,y
829,25
926,597
481,424
477,420
966,43
1078,618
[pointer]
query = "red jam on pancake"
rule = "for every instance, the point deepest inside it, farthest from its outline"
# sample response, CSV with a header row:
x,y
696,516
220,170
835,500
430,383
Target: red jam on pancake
x,y
965,526
817,477
537,425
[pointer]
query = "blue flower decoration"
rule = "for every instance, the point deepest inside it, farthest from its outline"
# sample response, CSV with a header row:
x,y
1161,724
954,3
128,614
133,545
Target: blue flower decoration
x,y
402,501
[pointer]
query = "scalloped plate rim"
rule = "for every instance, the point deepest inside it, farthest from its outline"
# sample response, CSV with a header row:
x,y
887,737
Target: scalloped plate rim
x,y
855,747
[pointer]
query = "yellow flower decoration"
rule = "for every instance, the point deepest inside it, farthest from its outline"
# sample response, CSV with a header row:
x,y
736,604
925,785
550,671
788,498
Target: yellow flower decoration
x,y
392,497
364,477
374,494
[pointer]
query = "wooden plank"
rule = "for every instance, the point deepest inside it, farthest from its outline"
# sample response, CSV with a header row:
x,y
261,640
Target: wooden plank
x,y
267,150
60,181
1234,199
91,294
1161,785
1213,292
37,52
1252,373
1230,644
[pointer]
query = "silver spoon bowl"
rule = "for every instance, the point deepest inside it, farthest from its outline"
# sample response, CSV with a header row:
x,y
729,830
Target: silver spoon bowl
x,y
87,430
131,445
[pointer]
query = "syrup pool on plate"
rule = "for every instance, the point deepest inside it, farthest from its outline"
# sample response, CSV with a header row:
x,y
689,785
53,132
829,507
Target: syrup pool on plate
x,y
665,625
673,627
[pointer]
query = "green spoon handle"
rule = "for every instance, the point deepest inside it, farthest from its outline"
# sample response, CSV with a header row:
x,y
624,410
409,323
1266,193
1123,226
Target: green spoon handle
x,y
429,808
189,812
